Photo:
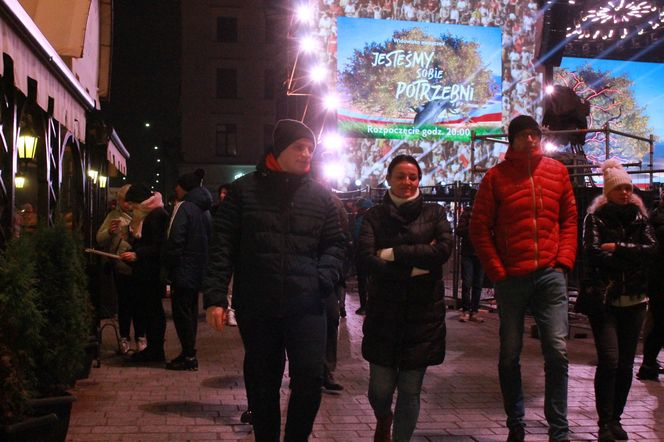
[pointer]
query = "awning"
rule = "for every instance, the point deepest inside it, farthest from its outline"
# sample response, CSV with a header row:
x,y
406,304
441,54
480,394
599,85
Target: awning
x,y
116,153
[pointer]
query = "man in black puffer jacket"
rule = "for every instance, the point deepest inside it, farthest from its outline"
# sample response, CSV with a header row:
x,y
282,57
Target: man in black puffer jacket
x,y
185,258
279,234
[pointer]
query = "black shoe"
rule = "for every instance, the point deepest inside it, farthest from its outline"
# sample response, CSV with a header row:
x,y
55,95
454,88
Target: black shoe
x,y
648,373
360,311
247,417
183,363
331,385
148,355
517,434
618,431
604,434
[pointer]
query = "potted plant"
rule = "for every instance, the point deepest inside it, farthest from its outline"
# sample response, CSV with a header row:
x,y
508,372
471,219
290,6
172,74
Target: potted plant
x,y
20,327
63,300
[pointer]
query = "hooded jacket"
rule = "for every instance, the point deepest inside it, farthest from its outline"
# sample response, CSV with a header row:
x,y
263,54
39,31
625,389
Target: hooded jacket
x,y
524,216
405,316
278,234
624,271
186,251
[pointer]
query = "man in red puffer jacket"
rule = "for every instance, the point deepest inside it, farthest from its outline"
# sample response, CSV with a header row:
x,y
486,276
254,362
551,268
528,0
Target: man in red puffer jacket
x,y
524,231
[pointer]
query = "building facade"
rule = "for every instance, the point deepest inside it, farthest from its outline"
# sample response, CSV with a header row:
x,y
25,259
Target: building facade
x,y
55,69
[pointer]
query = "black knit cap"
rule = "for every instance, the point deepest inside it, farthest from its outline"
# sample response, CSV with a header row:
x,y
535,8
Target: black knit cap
x,y
520,123
191,180
287,132
138,193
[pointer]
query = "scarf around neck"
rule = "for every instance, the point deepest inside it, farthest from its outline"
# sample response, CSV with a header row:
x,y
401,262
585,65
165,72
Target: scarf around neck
x,y
141,211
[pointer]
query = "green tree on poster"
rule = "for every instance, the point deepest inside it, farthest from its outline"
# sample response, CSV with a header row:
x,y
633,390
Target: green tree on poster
x,y
611,101
373,89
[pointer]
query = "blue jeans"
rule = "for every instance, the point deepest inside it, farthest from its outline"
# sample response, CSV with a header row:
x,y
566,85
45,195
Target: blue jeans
x,y
472,277
544,292
408,383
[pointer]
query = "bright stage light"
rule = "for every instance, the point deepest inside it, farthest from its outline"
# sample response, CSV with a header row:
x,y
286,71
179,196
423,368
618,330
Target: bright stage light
x,y
549,89
550,147
358,182
305,13
308,44
333,170
333,141
318,74
331,102
606,21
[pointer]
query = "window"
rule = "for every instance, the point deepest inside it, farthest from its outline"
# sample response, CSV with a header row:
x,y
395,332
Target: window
x,y
226,29
226,83
268,86
226,140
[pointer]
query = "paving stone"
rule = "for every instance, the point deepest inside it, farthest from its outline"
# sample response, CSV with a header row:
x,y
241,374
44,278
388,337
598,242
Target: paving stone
x,y
461,398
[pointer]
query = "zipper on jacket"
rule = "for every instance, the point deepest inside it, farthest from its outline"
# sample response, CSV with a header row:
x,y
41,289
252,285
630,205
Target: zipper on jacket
x,y
534,193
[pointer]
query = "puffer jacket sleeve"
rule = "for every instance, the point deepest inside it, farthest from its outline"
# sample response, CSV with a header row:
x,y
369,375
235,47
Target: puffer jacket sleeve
x,y
568,225
224,245
330,250
641,252
367,251
428,256
482,223
592,241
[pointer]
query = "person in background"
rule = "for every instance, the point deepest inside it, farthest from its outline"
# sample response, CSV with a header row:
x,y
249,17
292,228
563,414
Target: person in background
x,y
185,258
278,234
28,219
472,275
147,234
403,244
619,243
113,237
524,230
222,191
653,340
362,205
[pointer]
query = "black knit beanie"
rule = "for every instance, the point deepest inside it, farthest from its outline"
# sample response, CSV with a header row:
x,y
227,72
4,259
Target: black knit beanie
x,y
138,193
522,122
191,180
288,131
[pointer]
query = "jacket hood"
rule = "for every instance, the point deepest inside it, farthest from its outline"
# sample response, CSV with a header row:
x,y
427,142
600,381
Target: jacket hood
x,y
602,200
201,197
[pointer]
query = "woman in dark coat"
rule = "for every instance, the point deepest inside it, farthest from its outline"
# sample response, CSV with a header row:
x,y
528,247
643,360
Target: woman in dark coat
x,y
618,242
403,244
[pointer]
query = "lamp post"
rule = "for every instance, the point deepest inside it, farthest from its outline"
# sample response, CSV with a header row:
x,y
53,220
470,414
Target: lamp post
x,y
26,145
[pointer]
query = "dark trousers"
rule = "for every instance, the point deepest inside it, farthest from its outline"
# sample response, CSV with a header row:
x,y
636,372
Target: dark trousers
x,y
332,311
267,342
184,303
616,333
128,307
149,294
472,277
362,284
654,341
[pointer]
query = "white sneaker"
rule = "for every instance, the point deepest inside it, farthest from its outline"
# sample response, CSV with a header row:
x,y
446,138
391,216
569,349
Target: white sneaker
x,y
124,346
141,343
230,318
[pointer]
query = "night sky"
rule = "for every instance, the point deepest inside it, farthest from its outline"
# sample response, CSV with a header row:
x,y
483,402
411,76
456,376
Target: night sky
x,y
145,84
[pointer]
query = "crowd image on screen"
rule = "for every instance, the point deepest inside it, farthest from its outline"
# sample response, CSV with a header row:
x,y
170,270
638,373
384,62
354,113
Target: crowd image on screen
x,y
444,161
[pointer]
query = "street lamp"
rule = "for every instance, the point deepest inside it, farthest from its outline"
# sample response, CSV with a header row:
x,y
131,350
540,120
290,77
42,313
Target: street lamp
x,y
26,145
93,174
19,181
103,179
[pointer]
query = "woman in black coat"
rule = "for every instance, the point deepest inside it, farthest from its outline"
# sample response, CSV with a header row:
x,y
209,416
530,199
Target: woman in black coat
x,y
403,244
618,242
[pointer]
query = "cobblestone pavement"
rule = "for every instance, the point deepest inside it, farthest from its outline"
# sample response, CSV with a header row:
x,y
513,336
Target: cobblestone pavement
x,y
461,398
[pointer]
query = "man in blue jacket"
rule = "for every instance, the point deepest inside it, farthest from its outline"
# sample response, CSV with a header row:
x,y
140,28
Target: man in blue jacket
x,y
279,234
185,258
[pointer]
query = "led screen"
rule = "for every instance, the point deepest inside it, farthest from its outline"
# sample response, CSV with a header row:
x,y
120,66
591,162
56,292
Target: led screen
x,y
627,96
418,81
